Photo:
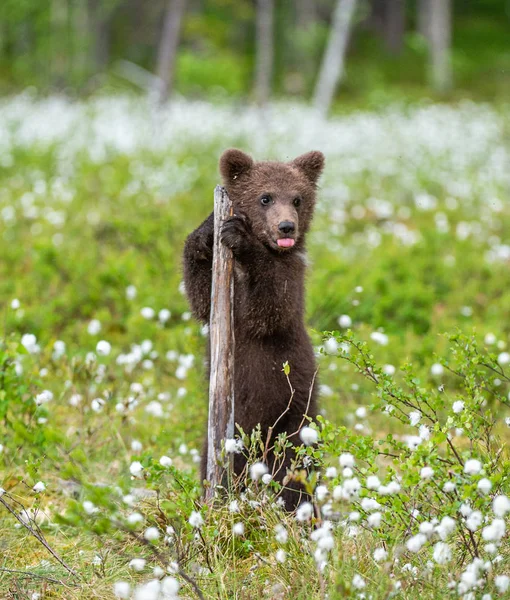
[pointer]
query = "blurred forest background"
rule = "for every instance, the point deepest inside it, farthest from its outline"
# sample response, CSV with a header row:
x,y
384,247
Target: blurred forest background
x,y
259,49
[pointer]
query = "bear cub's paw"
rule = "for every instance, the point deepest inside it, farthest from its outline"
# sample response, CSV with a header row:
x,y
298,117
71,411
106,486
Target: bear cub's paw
x,y
201,246
236,234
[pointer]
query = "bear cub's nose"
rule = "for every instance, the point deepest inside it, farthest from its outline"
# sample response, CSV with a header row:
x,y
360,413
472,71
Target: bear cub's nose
x,y
286,227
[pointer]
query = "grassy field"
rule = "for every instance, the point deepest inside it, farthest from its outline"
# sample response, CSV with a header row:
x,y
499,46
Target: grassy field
x,y
101,364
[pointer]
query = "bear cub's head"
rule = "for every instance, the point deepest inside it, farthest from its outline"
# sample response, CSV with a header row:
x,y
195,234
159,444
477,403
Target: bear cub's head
x,y
278,198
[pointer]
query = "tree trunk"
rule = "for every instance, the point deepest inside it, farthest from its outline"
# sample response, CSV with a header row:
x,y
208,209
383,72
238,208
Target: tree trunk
x,y
221,336
306,13
332,67
167,51
394,28
264,51
423,18
440,43
99,27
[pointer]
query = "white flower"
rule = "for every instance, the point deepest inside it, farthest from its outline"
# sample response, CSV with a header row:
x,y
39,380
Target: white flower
x,y
331,346
358,582
15,304
103,348
502,582
427,528
151,534
472,467
380,554
94,327
233,507
136,446
321,492
415,543
122,590
155,409
373,482
147,312
136,468
309,436
280,556
380,338
304,512
446,527
131,292
442,553
436,369
504,358
501,505
448,487
39,487
2,491
361,412
331,472
344,321
257,470
424,433
137,564
414,417
474,520
389,369
164,315
97,404
495,531
346,460
233,446
374,520
369,504
169,588
485,485
490,339
196,520
281,534
148,591
458,407
426,472
238,528
165,461
134,518
44,397
89,507
29,341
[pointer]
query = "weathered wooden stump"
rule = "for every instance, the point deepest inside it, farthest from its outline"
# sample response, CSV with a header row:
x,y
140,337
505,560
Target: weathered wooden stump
x,y
221,333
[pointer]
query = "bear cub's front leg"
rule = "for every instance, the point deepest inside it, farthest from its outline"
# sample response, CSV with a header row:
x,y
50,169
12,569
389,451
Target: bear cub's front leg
x,y
236,234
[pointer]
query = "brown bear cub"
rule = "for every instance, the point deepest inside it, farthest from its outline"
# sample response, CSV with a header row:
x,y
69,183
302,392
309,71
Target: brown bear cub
x,y
273,206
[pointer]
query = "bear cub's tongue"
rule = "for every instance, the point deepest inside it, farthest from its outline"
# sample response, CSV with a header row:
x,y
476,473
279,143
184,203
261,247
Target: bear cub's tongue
x,y
286,242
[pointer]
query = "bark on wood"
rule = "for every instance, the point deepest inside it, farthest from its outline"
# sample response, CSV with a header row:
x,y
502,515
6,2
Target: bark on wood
x,y
265,51
440,34
167,51
221,334
332,67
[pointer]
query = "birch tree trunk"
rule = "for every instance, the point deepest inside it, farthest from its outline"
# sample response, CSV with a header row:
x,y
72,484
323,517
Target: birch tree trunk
x,y
440,42
221,335
264,51
167,51
395,25
332,68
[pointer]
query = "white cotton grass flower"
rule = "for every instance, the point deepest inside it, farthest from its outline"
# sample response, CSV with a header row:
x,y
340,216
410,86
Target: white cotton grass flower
x,y
502,582
331,473
436,370
484,485
15,304
257,470
495,531
136,446
122,590
446,527
39,487
449,487
164,315
196,520
389,369
233,507
379,338
147,313
501,505
458,406
346,460
474,520
94,327
380,555
131,292
358,582
415,543
169,588
233,446
414,417
238,528
331,346
344,321
304,512
280,555
103,348
442,553
136,468
135,518
427,473
151,534
472,466
89,507
373,482
504,359
280,533
43,398
165,461
374,520
309,436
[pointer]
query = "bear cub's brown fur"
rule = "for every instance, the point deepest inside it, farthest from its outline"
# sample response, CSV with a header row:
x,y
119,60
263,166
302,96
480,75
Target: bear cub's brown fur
x,y
273,206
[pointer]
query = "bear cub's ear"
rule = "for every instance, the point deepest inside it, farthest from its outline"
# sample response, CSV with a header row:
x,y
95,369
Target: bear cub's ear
x,y
311,164
233,163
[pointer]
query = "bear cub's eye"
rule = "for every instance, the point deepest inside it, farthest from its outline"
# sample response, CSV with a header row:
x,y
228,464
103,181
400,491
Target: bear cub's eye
x,y
266,200
297,202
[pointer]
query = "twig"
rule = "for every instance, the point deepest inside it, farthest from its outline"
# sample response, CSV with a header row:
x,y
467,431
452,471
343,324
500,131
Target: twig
x,y
37,576
38,536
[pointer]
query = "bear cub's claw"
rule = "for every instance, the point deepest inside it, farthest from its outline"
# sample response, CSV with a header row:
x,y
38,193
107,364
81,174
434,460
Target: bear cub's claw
x,y
236,234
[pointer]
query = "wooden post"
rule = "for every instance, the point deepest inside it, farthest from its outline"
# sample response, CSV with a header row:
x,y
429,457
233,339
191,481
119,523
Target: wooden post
x,y
221,335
